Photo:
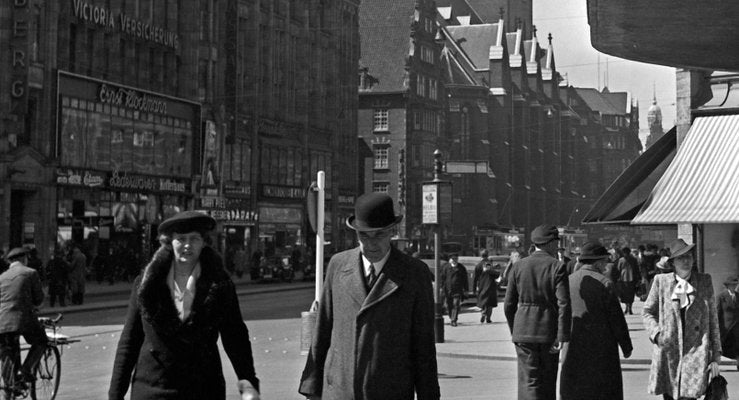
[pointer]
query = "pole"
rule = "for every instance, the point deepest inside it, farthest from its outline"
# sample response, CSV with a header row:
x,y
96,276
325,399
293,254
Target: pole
x,y
438,309
308,318
320,217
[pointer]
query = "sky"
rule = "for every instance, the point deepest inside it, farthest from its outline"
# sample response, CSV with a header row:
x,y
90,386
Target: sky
x,y
578,61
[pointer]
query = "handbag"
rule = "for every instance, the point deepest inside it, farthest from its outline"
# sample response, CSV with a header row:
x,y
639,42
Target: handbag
x,y
717,389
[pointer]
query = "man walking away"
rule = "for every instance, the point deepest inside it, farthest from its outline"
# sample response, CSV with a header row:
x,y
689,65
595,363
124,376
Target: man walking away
x,y
455,284
591,368
20,294
537,307
77,272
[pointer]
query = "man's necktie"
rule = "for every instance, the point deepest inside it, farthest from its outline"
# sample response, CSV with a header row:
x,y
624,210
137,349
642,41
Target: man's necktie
x,y
372,276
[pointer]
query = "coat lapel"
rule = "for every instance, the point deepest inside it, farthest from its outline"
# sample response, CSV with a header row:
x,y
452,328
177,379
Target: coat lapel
x,y
353,278
388,282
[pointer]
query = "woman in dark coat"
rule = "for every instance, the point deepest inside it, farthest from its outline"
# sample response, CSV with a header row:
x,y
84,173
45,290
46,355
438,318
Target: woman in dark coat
x,y
486,285
728,318
591,368
179,306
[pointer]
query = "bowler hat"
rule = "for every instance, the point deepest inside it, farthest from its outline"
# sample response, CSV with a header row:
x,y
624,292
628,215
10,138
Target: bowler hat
x,y
593,251
678,247
543,234
187,221
17,252
373,212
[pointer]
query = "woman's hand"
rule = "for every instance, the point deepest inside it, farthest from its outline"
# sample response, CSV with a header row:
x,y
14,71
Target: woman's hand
x,y
247,390
713,370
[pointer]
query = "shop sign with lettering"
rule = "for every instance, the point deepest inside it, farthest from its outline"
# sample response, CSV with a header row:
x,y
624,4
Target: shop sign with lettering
x,y
282,192
122,180
78,177
136,28
133,99
229,210
237,190
18,57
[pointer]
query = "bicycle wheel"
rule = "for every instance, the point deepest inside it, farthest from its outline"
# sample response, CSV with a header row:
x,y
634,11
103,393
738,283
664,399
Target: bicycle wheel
x,y
7,377
47,374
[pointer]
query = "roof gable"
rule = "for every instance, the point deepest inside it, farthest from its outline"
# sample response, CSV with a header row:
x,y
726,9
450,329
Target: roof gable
x,y
475,41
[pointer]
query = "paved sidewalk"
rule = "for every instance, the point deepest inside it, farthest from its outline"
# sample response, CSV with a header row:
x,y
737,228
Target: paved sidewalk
x,y
473,340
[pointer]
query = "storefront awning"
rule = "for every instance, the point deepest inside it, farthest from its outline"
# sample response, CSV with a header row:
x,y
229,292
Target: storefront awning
x,y
623,199
702,183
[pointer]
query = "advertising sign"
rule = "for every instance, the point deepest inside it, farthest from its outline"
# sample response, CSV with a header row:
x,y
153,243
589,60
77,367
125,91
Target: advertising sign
x,y
430,202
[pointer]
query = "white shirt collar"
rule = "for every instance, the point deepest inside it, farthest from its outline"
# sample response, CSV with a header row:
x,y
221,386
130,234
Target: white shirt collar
x,y
378,265
183,297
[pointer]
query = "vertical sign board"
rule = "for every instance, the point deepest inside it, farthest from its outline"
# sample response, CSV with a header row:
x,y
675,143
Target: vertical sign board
x,y
430,202
445,203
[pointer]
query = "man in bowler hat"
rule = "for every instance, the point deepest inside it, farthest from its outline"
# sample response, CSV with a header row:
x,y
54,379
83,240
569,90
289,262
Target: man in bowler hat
x,y
374,332
537,307
20,294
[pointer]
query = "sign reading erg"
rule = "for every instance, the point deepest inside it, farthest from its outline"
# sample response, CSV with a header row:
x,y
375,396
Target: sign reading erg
x,y
430,202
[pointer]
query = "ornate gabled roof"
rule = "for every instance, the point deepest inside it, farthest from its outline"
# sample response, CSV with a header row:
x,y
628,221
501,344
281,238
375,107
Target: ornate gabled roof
x,y
608,103
457,71
514,40
475,41
384,28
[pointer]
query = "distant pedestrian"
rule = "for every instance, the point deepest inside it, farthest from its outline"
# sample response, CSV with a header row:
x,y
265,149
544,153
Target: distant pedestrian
x,y
58,276
681,319
537,308
591,368
728,318
35,263
485,286
180,306
648,266
374,337
628,279
456,284
574,263
562,255
77,272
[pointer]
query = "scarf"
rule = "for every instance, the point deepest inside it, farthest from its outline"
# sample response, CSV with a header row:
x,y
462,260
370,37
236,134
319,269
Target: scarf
x,y
183,297
684,292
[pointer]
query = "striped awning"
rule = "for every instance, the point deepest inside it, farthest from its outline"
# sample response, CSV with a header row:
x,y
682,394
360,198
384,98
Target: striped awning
x,y
701,186
627,194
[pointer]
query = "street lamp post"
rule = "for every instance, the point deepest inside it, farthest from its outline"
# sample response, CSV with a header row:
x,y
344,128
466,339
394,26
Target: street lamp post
x,y
437,209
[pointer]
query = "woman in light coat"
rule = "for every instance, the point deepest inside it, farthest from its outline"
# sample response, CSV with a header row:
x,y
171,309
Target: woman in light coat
x,y
681,319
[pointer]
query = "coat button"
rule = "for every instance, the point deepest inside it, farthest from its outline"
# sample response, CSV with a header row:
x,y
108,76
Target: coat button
x,y
697,329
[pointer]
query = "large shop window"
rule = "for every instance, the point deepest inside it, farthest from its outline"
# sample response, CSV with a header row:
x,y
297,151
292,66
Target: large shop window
x,y
106,137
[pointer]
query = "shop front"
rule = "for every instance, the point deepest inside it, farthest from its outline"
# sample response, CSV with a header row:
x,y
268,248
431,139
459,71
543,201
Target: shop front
x,y
236,227
127,158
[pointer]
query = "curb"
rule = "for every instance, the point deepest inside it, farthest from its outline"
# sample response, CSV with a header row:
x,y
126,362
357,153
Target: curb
x,y
624,361
124,303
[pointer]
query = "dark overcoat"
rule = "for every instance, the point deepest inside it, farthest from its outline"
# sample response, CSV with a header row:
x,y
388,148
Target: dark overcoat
x,y
728,322
537,300
174,359
486,286
680,356
591,367
377,345
454,279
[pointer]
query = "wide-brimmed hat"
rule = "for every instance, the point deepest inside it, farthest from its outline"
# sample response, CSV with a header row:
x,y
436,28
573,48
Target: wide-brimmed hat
x,y
678,247
732,280
373,212
593,251
17,252
544,234
187,221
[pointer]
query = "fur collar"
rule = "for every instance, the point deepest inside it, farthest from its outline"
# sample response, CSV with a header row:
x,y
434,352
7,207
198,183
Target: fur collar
x,y
155,300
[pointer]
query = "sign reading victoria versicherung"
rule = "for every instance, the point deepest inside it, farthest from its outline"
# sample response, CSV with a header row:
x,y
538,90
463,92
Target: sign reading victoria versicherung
x,y
430,202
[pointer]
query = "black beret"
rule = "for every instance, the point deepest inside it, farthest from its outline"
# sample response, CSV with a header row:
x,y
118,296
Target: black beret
x,y
543,234
187,221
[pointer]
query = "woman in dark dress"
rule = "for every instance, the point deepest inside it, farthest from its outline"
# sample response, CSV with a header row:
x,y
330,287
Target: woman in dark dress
x,y
487,290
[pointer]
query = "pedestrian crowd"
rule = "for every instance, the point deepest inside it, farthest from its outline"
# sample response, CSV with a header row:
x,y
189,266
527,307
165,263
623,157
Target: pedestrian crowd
x,y
374,333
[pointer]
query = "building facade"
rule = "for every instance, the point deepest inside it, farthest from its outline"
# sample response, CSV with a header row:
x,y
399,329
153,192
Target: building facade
x,y
116,115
